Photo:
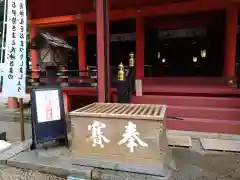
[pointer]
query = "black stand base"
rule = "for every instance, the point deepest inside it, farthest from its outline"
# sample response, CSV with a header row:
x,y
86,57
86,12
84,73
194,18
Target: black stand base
x,y
63,142
60,142
122,92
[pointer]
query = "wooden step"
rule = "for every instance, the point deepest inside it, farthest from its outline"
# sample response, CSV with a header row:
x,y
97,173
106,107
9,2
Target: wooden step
x,y
204,112
187,80
188,90
219,102
205,125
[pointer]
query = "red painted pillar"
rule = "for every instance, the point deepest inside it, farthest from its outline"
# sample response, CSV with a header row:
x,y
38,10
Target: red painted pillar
x,y
103,51
33,52
230,41
82,63
140,38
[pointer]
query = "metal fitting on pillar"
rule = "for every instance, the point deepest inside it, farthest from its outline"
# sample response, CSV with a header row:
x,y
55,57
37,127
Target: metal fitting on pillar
x,y
121,73
131,59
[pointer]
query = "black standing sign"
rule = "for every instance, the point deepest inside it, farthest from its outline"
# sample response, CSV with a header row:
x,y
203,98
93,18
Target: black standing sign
x,y
48,116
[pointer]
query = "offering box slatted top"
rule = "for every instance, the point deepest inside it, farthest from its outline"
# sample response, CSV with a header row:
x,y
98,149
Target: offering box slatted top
x,y
134,111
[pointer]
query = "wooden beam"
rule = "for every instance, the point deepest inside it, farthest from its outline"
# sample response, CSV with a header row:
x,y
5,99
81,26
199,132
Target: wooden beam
x,y
54,21
178,22
113,15
167,9
147,11
183,8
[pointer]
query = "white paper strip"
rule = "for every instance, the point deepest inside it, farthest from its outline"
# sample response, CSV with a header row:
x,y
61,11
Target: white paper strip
x,y
14,78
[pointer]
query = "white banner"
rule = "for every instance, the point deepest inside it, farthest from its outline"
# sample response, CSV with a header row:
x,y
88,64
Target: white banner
x,y
14,78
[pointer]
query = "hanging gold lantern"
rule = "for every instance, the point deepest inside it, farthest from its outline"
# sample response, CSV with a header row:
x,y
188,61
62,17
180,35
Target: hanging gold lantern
x,y
121,73
131,59
204,53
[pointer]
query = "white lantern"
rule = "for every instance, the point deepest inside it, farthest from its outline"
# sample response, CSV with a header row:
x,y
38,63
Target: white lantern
x,y
159,55
164,60
195,59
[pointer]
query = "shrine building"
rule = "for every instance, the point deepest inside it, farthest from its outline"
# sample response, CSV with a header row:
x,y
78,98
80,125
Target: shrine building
x,y
186,53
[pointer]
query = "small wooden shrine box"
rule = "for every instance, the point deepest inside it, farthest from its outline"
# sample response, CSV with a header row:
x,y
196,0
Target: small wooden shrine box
x,y
52,50
133,135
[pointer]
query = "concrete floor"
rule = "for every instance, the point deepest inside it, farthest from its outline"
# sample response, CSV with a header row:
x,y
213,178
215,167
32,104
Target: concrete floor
x,y
11,173
192,164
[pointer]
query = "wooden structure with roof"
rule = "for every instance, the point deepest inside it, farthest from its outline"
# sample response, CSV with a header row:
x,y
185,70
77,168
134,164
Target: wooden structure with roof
x,y
52,50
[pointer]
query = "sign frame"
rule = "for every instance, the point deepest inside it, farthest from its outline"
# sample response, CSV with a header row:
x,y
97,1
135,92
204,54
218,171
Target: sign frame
x,y
52,130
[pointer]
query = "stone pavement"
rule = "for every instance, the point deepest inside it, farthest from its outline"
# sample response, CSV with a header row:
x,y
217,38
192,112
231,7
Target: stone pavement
x,y
10,120
13,130
11,173
7,114
192,164
13,115
222,165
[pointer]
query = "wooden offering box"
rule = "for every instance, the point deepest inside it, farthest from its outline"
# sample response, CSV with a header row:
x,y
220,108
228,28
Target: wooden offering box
x,y
131,135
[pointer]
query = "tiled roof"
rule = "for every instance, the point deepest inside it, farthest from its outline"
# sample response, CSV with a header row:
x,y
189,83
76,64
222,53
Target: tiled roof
x,y
51,40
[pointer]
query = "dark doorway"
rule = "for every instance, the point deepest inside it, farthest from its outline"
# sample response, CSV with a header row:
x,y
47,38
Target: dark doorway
x,y
197,51
120,52
73,55
91,50
200,55
120,46
123,41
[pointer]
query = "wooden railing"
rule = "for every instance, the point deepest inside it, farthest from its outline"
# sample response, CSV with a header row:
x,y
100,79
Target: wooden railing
x,y
86,78
67,77
64,77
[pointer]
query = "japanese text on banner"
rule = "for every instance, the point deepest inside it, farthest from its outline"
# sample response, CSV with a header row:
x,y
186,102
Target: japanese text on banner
x,y
14,80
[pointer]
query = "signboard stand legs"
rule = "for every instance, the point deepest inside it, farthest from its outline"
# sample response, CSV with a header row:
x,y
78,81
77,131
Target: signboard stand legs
x,y
34,144
22,119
